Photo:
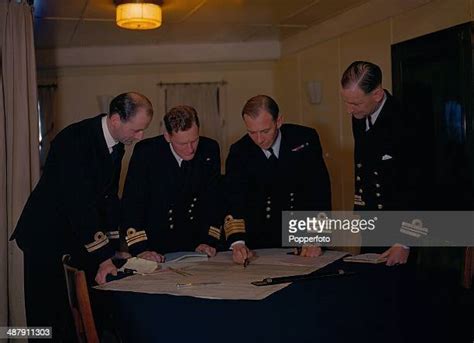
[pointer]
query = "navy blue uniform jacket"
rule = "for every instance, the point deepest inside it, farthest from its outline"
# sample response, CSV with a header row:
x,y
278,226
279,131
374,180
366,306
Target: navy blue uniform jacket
x,y
258,192
74,208
166,208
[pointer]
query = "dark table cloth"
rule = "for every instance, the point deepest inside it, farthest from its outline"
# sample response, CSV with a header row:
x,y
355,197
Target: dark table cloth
x,y
376,304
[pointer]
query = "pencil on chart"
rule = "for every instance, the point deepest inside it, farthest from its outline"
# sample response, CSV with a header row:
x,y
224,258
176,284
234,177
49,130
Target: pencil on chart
x,y
179,271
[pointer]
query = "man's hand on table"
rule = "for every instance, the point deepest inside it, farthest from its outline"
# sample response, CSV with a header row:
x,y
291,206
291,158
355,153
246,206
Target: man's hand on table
x,y
311,251
206,249
240,253
396,254
105,268
152,256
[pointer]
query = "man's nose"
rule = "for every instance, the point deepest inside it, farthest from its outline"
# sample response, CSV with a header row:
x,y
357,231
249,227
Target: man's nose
x,y
350,109
190,148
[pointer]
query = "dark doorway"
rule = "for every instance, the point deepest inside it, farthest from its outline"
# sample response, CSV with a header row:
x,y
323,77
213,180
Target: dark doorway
x,y
432,77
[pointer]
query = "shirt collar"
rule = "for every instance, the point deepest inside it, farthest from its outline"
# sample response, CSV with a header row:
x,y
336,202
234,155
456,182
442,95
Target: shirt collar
x,y
373,117
275,146
108,137
176,156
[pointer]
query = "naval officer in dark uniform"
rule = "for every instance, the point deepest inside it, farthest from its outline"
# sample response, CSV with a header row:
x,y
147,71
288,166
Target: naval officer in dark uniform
x,y
387,175
74,209
170,199
273,168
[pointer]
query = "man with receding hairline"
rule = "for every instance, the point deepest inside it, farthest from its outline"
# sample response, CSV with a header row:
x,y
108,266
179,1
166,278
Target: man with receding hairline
x,y
273,168
74,209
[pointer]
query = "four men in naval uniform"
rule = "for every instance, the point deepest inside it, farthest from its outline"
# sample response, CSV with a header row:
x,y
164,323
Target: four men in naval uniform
x,y
173,193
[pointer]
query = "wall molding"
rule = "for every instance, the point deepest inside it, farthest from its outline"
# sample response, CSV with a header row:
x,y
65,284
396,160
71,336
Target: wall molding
x,y
161,54
151,69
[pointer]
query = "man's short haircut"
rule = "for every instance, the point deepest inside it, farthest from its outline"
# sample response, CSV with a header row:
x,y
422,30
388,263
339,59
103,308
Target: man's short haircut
x,y
180,118
126,105
254,105
366,75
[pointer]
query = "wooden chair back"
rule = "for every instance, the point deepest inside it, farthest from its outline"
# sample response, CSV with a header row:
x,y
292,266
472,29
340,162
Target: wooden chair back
x,y
79,303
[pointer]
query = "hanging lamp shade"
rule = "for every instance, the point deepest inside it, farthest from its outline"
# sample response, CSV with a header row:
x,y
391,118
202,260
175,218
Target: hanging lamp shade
x,y
138,16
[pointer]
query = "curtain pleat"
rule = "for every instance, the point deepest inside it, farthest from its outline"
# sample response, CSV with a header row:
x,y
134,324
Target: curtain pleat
x,y
19,137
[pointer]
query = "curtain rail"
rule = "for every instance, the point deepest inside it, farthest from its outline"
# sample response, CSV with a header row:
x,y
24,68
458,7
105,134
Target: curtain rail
x,y
161,84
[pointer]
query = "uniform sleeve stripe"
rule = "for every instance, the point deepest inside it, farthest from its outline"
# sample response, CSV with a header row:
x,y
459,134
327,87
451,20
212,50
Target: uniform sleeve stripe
x,y
232,226
100,240
214,232
138,237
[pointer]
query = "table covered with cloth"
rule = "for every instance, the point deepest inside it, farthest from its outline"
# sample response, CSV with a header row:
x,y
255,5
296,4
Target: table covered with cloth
x,y
375,304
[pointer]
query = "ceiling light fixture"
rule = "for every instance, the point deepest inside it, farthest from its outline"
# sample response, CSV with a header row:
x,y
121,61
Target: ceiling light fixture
x,y
138,14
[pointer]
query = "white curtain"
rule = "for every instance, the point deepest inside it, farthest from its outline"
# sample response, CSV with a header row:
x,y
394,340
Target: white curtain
x,y
19,157
205,99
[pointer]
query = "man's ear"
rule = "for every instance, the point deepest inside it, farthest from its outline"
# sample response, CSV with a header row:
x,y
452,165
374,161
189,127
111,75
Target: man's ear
x,y
115,120
279,121
167,136
378,94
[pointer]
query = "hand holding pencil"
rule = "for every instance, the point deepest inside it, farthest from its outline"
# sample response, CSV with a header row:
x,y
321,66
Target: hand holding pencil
x,y
241,254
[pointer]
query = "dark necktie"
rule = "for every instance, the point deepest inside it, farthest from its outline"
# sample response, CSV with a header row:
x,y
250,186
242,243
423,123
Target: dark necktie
x,y
117,153
185,167
184,178
369,119
116,156
273,160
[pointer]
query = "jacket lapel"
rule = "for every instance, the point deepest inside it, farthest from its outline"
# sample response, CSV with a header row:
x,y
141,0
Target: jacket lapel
x,y
104,161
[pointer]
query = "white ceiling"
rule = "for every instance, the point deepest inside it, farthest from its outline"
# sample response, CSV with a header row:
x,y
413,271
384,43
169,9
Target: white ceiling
x,y
77,23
